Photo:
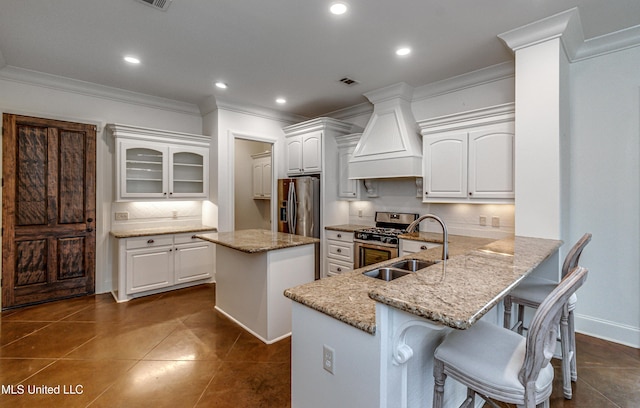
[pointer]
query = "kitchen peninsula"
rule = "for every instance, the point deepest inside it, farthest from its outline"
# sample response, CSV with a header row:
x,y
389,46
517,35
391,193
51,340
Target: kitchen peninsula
x,y
253,268
381,335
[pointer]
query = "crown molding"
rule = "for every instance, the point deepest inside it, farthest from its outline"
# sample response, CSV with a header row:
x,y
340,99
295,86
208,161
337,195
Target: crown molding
x,y
64,84
608,43
365,108
322,123
469,80
565,26
212,104
568,28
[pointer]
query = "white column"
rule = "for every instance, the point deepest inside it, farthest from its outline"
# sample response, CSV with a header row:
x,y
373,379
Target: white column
x,y
543,51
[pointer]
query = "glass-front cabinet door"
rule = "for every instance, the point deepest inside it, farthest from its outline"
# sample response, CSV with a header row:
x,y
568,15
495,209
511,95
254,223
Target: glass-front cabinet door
x,y
144,170
188,168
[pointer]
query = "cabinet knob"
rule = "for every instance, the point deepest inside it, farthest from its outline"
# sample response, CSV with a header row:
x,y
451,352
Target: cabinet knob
x,y
193,237
338,250
89,219
423,247
339,235
171,193
150,241
339,269
426,193
89,229
470,193
165,193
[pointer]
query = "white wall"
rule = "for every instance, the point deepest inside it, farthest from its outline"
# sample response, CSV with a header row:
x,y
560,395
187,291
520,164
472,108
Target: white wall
x,y
605,192
46,96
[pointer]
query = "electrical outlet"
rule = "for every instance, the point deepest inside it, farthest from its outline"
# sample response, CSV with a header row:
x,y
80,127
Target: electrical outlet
x,y
327,358
360,213
174,213
483,220
122,216
495,221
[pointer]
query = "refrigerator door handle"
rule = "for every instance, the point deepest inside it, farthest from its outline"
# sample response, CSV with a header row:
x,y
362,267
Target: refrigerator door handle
x,y
291,204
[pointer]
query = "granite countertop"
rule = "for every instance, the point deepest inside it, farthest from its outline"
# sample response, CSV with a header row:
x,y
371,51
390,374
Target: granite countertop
x,y
143,232
347,227
257,240
428,237
477,275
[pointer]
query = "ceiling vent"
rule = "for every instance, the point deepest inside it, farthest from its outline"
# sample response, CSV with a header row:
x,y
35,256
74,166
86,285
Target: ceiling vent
x,y
157,4
348,81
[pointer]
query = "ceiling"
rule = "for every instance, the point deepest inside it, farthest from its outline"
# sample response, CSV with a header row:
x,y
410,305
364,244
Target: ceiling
x,y
267,49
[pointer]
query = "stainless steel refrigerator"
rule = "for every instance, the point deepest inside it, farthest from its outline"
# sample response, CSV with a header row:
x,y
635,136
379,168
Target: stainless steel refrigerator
x,y
299,209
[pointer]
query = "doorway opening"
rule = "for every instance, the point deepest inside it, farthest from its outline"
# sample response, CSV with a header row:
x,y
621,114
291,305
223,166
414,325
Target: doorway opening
x,y
253,184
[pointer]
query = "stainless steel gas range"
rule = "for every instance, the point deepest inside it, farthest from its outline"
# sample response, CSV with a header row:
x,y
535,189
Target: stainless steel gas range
x,y
380,243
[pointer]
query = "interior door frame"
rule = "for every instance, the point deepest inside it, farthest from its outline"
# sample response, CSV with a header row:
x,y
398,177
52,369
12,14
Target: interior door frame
x,y
231,163
103,208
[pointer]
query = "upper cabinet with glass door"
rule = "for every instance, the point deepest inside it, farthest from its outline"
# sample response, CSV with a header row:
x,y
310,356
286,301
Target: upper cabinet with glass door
x,y
154,164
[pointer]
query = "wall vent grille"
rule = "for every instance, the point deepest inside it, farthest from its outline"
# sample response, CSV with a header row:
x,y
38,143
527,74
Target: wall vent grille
x,y
157,4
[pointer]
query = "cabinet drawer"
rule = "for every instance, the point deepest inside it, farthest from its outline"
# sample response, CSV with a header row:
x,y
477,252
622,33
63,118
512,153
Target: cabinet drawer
x,y
149,242
341,251
189,237
410,246
339,267
339,235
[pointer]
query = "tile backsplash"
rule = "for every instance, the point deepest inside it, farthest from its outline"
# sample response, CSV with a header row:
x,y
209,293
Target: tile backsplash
x,y
140,214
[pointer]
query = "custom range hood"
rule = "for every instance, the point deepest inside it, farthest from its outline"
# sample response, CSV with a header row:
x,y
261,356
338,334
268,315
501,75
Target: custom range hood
x,y
390,146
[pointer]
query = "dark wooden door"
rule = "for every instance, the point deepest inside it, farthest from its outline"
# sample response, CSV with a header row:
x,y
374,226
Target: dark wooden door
x,y
48,210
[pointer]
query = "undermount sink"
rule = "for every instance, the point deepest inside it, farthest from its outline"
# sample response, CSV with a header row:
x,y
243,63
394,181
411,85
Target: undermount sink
x,y
399,269
412,265
386,274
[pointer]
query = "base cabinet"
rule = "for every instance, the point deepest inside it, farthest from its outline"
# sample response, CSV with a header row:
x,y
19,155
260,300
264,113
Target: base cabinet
x,y
152,264
409,246
339,252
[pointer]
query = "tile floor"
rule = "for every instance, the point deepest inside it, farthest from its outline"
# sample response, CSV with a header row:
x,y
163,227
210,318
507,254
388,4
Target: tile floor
x,y
175,350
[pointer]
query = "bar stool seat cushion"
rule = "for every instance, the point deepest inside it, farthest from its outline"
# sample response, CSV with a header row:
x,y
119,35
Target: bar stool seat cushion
x,y
489,358
535,290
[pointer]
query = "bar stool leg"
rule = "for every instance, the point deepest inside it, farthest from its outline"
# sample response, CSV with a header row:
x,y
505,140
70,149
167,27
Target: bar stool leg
x,y
438,386
567,353
507,313
572,344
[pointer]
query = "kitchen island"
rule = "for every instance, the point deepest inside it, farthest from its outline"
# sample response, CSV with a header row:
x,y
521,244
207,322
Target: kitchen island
x,y
381,335
253,268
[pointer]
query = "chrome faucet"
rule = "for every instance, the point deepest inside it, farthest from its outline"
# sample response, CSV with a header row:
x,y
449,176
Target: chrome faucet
x,y
445,234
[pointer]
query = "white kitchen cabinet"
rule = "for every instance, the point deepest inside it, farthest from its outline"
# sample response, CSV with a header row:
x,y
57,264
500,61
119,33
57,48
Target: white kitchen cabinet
x,y
304,153
470,157
339,252
409,246
347,189
261,169
152,264
158,165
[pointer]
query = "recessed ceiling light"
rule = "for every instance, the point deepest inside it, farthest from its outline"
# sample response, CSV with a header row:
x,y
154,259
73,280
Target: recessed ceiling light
x,y
403,51
131,59
221,85
281,101
338,8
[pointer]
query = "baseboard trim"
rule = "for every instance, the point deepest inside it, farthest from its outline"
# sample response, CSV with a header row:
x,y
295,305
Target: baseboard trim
x,y
608,330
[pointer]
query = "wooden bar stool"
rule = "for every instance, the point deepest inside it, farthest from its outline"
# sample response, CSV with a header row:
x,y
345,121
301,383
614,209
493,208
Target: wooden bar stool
x,y
531,292
502,365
